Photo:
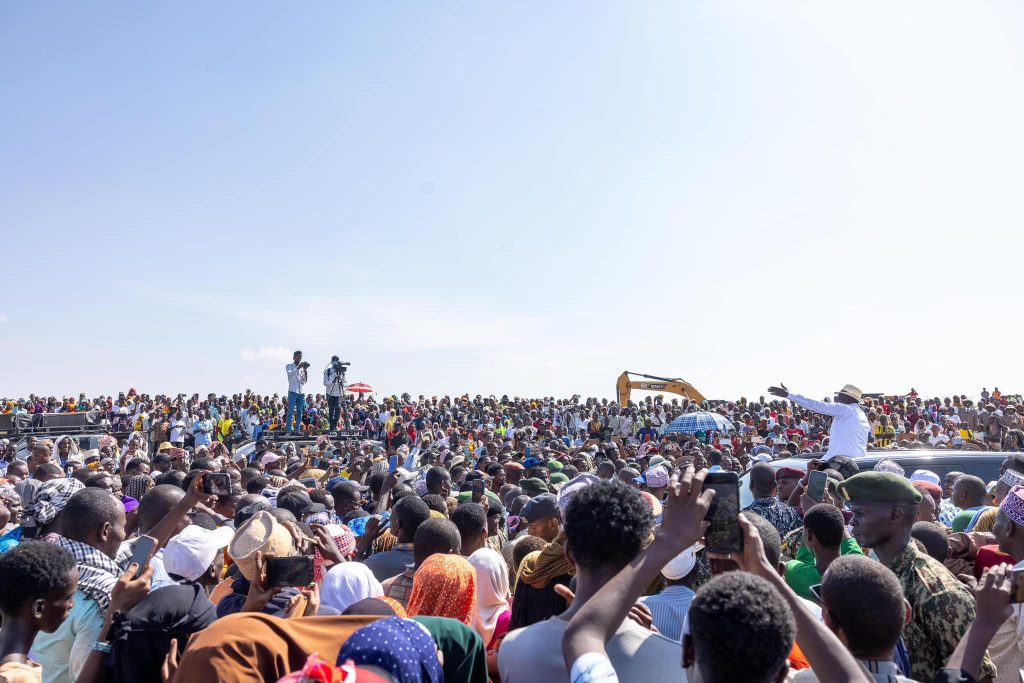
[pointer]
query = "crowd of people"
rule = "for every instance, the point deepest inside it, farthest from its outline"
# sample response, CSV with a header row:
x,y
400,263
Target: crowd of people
x,y
506,539
992,422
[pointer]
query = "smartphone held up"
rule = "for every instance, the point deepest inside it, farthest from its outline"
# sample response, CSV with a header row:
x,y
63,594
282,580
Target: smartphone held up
x,y
145,547
217,483
816,483
724,534
289,572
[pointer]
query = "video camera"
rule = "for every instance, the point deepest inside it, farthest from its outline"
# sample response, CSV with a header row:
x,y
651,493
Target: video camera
x,y
338,366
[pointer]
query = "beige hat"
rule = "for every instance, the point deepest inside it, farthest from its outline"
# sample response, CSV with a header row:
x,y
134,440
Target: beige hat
x,y
261,533
851,391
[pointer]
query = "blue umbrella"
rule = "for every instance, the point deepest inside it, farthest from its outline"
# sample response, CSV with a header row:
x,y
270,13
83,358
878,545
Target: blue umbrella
x,y
691,423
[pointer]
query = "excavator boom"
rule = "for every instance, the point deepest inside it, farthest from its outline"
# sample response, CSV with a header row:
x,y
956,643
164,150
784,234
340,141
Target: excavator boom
x,y
625,386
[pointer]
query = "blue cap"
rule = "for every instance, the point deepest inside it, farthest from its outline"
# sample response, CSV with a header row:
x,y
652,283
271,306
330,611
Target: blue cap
x,y
358,526
531,462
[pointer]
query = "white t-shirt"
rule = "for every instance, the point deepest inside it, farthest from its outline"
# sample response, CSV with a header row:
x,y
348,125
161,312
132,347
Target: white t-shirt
x,y
534,653
177,431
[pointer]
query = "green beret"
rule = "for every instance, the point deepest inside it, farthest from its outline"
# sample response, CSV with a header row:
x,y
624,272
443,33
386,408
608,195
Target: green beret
x,y
559,478
554,466
878,487
468,495
533,485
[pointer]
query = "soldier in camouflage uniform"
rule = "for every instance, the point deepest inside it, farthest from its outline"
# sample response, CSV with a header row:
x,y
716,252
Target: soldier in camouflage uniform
x,y
884,508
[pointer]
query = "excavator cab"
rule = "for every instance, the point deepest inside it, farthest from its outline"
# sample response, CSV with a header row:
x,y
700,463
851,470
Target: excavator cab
x,y
625,386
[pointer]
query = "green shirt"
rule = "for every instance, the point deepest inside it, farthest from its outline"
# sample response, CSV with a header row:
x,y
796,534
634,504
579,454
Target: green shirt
x,y
963,519
802,573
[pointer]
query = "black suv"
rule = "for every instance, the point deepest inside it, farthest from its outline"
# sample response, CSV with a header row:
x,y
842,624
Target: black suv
x,y
984,464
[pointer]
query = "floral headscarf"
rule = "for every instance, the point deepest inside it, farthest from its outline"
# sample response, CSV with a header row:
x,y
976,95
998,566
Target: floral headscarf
x,y
444,586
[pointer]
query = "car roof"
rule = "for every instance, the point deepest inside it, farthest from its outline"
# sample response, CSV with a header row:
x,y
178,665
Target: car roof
x,y
916,456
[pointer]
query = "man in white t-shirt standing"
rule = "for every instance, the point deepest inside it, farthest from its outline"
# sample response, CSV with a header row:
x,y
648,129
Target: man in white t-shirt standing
x,y
177,430
297,377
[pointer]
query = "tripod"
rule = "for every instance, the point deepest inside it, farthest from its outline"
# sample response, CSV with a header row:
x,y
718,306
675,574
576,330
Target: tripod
x,y
338,383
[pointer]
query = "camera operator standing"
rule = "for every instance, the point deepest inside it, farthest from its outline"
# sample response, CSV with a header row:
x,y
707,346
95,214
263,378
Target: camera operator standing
x,y
297,377
334,383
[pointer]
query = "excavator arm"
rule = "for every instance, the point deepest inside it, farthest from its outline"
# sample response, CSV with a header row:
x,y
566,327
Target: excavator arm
x,y
625,386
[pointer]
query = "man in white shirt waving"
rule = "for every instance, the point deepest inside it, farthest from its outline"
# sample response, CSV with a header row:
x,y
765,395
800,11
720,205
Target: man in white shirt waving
x,y
297,376
849,433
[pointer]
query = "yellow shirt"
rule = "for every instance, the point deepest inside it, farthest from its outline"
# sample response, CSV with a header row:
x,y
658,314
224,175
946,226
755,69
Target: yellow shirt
x,y
884,435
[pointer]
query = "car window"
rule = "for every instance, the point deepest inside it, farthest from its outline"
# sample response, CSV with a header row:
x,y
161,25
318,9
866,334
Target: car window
x,y
986,469
746,497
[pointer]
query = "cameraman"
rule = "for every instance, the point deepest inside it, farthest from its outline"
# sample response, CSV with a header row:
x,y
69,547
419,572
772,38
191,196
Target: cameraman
x,y
297,377
334,379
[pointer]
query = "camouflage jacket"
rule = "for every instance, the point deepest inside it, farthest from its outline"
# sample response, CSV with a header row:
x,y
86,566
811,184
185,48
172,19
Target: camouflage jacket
x,y
943,611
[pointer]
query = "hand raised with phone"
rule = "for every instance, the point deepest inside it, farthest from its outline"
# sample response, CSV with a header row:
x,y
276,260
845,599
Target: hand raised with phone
x,y
686,505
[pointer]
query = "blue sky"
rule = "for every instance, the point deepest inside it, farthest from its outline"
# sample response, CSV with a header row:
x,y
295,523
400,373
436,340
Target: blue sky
x,y
522,198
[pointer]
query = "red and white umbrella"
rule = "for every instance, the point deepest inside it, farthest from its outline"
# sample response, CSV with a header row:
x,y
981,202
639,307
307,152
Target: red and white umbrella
x,y
359,388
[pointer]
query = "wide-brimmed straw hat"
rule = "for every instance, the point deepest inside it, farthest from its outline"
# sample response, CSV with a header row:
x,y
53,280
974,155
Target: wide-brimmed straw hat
x,y
261,533
851,391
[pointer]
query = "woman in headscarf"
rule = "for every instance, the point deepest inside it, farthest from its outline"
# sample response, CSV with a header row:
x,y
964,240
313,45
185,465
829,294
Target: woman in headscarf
x,y
444,586
63,448
403,648
348,583
42,517
136,447
252,648
492,595
10,502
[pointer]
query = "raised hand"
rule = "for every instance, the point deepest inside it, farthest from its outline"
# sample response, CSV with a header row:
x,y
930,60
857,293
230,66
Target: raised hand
x,y
685,507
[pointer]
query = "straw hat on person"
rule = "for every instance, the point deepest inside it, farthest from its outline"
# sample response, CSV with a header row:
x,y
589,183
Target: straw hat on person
x,y
853,392
262,533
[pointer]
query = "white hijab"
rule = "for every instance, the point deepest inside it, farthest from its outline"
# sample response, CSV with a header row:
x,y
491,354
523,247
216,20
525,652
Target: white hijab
x,y
492,593
348,583
56,447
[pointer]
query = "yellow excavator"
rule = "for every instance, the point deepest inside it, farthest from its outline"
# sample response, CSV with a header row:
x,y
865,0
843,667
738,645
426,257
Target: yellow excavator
x,y
625,385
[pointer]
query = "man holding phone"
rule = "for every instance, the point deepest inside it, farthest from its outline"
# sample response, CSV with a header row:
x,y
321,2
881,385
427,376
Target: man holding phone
x,y
849,433
297,376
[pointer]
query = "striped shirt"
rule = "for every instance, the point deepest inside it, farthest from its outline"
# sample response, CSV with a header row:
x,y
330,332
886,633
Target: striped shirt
x,y
669,608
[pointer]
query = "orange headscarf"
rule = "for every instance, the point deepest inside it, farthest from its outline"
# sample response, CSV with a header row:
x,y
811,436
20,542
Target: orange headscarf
x,y
444,586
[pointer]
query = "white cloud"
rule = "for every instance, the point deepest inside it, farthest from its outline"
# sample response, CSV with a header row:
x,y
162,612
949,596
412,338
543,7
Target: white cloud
x,y
3,318
263,354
